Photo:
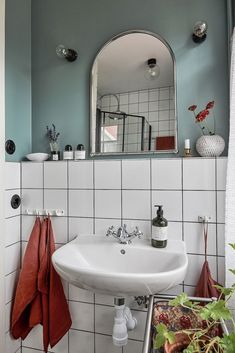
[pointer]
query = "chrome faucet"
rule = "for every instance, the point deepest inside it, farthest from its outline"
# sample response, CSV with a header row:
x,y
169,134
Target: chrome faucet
x,y
122,235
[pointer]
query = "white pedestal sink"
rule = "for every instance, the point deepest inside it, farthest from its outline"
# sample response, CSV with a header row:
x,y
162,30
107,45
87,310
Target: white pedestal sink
x,y
100,264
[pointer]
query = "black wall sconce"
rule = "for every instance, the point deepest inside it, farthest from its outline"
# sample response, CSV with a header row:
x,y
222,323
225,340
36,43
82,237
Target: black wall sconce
x,y
66,53
199,31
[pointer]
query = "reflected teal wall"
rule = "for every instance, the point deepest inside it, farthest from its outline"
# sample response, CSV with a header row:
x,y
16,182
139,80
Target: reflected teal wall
x,y
18,76
61,89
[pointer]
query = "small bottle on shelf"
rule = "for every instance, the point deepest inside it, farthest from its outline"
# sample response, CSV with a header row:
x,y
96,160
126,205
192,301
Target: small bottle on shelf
x,y
80,153
68,152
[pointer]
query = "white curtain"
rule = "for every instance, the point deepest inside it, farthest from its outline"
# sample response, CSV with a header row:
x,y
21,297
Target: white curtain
x,y
230,188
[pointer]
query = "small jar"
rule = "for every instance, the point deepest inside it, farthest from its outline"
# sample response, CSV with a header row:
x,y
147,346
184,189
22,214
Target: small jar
x,y
80,153
55,155
68,152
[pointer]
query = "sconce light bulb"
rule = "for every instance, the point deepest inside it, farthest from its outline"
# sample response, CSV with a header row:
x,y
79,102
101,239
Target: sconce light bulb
x,y
68,54
61,51
199,31
153,70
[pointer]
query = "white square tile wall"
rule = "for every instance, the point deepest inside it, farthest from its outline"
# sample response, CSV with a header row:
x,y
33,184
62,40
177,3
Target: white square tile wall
x,y
55,175
99,193
12,249
167,174
136,174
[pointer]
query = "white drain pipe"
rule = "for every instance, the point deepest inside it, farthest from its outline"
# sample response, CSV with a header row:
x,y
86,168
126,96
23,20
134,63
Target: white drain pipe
x,y
123,321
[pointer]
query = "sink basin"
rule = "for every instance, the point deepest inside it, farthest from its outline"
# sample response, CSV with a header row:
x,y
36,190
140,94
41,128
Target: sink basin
x,y
100,264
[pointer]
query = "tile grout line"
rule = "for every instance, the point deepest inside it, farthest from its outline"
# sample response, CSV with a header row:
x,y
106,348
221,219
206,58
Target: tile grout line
x,y
121,171
182,201
94,229
21,226
216,215
68,210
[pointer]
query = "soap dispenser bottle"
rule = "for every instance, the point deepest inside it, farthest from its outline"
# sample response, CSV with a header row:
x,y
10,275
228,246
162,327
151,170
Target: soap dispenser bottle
x,y
159,229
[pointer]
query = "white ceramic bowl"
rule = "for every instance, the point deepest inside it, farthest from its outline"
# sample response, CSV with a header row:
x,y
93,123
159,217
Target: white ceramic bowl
x,y
37,157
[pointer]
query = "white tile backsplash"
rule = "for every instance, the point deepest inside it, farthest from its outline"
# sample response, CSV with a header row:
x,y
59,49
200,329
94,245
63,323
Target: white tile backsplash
x,y
221,239
166,174
80,175
55,199
104,319
81,342
60,229
194,238
32,175
80,226
133,347
108,174
12,230
199,174
221,173
221,206
55,175
104,344
12,258
81,203
136,204
108,203
81,295
136,174
13,175
32,199
199,203
82,316
102,193
10,285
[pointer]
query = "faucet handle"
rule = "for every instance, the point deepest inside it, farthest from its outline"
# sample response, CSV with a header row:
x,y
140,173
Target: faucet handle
x,y
138,232
110,231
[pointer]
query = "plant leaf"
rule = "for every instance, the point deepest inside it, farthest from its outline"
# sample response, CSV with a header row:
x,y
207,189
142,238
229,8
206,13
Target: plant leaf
x,y
232,245
162,336
181,299
215,311
224,291
189,349
228,343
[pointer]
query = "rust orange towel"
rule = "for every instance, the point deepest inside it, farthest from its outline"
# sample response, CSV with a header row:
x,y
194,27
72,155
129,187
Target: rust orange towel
x,y
40,296
56,316
27,304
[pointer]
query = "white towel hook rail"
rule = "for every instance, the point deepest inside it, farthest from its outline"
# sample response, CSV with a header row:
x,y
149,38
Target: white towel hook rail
x,y
44,212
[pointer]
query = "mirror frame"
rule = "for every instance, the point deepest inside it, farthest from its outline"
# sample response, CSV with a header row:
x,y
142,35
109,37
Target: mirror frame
x,y
93,153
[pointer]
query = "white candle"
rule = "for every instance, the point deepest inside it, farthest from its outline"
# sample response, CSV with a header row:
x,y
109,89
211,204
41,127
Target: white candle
x,y
187,144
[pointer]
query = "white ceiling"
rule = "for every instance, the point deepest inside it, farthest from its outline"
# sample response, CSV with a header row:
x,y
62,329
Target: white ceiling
x,y
122,64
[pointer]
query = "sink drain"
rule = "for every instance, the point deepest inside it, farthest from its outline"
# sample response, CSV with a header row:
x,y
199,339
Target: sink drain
x,y
122,252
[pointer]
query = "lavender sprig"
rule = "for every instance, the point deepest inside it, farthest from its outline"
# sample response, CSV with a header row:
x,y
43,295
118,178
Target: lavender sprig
x,y
52,134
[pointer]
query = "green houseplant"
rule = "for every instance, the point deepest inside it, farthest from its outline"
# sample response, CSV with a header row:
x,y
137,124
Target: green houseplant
x,y
200,340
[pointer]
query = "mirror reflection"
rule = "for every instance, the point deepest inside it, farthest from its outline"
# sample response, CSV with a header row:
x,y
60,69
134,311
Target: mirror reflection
x,y
133,96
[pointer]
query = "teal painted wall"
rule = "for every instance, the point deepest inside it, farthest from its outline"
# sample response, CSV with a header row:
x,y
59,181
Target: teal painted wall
x,y
61,89
18,76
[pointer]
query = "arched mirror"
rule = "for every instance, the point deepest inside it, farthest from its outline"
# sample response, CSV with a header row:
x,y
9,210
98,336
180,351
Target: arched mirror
x,y
133,96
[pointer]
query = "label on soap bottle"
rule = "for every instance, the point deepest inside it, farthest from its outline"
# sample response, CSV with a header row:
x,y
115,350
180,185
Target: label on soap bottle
x,y
55,157
159,233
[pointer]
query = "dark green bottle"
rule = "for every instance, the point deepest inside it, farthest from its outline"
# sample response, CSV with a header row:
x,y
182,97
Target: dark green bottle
x,y
159,229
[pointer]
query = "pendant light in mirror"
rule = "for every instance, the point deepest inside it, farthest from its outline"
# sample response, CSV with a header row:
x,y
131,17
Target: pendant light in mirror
x,y
153,69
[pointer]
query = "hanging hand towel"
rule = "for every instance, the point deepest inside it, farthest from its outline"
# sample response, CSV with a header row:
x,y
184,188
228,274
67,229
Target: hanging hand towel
x,y
56,316
27,303
206,284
